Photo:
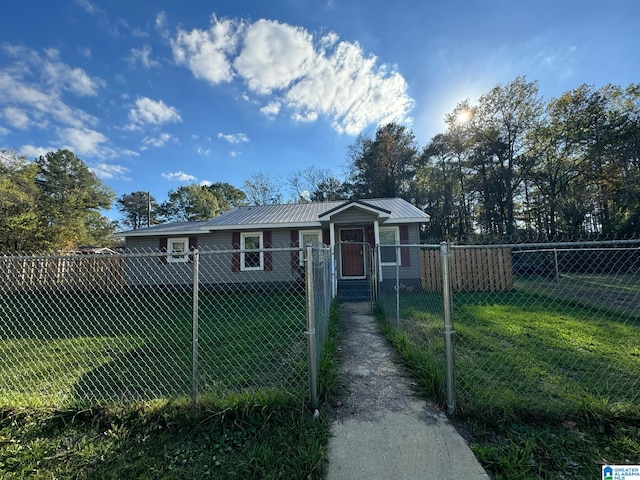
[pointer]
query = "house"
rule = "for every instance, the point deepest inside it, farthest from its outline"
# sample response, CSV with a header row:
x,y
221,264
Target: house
x,y
254,238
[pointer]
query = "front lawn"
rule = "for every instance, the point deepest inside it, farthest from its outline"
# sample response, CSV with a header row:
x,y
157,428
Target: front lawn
x,y
81,349
545,388
263,434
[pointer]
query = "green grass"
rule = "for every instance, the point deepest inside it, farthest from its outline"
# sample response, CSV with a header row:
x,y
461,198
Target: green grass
x,y
264,434
66,350
546,388
257,437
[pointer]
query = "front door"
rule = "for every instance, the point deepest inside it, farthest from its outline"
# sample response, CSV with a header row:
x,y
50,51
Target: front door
x,y
352,253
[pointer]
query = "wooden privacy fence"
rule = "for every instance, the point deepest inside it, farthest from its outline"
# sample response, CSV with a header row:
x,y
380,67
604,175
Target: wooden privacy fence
x,y
472,269
76,272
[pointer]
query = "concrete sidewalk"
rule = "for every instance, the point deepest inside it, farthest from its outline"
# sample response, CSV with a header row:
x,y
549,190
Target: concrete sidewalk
x,y
381,430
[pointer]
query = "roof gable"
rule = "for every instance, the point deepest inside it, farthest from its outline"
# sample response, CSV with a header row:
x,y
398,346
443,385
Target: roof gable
x,y
377,211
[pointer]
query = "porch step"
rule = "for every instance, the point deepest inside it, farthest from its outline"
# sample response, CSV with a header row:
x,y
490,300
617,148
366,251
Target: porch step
x,y
354,290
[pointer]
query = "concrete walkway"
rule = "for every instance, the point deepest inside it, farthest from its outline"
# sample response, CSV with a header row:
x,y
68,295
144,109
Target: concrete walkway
x,y
382,430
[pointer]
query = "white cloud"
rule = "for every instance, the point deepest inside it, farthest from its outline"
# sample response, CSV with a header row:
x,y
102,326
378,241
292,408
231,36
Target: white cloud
x,y
153,112
274,55
34,84
309,77
161,25
305,117
204,52
179,176
89,7
203,151
351,88
271,109
234,137
143,55
107,171
16,117
206,183
61,76
84,141
32,151
85,52
158,141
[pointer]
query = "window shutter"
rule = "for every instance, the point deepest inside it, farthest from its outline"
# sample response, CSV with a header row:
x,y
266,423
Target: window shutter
x,y
405,257
162,246
193,244
294,236
235,257
326,236
268,256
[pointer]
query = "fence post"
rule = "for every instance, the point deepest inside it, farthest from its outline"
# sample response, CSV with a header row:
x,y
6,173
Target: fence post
x,y
445,255
311,327
196,290
398,288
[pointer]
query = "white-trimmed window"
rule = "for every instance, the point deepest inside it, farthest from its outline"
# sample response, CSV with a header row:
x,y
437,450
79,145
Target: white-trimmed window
x,y
250,259
309,237
389,236
178,249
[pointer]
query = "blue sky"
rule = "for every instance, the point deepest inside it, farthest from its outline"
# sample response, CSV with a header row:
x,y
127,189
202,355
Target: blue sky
x,y
154,95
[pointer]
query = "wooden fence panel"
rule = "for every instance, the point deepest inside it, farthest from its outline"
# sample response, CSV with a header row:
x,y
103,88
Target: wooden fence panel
x,y
472,270
74,273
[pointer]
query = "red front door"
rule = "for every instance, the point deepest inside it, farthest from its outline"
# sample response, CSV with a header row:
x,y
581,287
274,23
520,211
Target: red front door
x,y
352,252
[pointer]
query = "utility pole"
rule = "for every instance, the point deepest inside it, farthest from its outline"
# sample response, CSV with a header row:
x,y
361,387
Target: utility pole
x,y
148,209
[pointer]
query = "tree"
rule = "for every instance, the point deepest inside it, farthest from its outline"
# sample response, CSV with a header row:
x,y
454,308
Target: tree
x,y
500,123
70,194
18,203
383,166
228,196
190,203
328,190
139,209
315,184
262,190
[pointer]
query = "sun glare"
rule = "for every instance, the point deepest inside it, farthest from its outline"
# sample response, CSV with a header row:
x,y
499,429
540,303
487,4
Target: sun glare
x,y
463,117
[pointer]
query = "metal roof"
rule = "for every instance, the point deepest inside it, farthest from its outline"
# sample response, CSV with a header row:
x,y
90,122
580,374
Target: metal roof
x,y
176,228
396,210
392,211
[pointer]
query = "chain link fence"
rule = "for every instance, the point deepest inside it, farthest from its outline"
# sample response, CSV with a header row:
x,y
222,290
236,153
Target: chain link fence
x,y
86,329
536,329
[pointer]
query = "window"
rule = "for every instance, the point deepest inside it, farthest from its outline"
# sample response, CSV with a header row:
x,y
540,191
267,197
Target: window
x,y
178,249
389,236
249,259
313,237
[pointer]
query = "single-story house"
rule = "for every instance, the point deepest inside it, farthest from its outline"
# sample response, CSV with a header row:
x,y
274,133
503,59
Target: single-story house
x,y
253,236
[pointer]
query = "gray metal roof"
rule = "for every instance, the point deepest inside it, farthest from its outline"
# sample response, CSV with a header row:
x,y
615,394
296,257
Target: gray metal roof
x,y
300,214
176,228
392,211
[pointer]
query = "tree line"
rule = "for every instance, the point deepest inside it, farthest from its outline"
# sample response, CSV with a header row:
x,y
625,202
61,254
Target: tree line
x,y
509,167
514,167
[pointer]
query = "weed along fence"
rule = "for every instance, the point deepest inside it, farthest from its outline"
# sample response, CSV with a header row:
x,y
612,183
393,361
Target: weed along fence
x,y
84,330
538,329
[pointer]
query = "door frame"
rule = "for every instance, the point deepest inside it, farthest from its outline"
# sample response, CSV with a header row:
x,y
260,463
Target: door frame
x,y
362,254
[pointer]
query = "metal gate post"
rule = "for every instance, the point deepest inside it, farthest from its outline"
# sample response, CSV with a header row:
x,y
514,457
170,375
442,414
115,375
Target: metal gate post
x,y
445,255
398,288
311,327
196,290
